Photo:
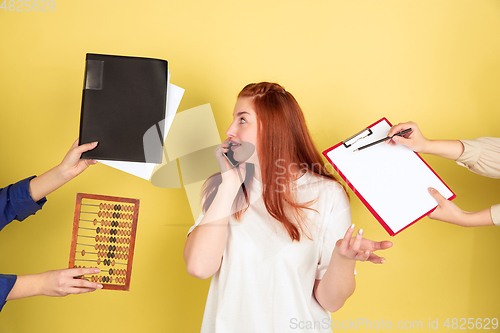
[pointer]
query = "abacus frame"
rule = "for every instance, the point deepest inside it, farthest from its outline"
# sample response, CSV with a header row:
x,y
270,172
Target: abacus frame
x,y
76,224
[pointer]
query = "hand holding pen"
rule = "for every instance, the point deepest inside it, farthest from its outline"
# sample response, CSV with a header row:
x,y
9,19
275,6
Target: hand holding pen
x,y
451,149
413,140
389,137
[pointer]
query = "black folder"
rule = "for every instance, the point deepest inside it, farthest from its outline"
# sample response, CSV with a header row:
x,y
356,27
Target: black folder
x,y
123,97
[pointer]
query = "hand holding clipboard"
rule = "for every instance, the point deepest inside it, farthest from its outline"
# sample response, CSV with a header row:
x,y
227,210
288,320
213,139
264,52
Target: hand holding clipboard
x,y
375,174
485,151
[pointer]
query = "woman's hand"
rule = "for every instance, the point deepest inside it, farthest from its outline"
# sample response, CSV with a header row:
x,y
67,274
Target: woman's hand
x,y
447,211
359,248
338,283
71,166
231,176
68,281
413,140
54,283
450,149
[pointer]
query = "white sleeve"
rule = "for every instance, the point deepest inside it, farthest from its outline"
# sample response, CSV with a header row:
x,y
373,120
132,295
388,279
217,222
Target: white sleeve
x,y
195,224
495,214
338,222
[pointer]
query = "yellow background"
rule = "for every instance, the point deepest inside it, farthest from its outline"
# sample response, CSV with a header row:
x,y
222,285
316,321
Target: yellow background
x,y
348,63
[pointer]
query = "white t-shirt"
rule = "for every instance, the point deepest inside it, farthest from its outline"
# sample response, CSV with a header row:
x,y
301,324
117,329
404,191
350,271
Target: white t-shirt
x,y
265,282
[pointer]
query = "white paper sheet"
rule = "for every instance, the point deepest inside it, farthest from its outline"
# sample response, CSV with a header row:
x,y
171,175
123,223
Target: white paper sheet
x,y
392,179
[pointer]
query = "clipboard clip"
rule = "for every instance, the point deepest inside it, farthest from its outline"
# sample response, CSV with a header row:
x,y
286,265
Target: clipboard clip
x,y
356,137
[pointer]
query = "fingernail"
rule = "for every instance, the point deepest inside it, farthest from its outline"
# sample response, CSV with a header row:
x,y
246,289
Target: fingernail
x,y
97,270
99,286
396,138
352,226
431,189
360,232
367,253
382,261
94,143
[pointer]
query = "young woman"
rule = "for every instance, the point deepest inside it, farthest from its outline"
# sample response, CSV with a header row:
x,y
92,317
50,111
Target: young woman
x,y
275,232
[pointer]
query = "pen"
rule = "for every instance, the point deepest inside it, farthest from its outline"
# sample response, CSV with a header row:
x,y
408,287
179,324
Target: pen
x,y
384,139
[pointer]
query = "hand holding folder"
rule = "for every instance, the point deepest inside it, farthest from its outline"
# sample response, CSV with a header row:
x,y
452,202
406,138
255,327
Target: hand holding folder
x,y
378,174
123,97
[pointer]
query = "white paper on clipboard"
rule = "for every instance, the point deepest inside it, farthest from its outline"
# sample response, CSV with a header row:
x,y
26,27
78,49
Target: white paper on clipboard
x,y
392,181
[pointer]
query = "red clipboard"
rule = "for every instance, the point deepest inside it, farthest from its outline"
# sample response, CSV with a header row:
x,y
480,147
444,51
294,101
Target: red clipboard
x,y
373,174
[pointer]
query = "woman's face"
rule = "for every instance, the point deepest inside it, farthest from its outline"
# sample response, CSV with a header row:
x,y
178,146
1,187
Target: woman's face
x,y
243,131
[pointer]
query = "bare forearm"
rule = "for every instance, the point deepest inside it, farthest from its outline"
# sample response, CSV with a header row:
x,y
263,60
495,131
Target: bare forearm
x,y
70,167
481,218
451,149
48,182
26,286
338,283
204,249
54,283
470,219
206,244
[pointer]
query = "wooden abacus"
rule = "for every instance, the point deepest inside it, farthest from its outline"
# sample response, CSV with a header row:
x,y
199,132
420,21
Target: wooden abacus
x,y
104,230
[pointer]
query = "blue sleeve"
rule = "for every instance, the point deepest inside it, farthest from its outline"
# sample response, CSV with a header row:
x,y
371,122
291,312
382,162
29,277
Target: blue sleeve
x,y
6,284
16,202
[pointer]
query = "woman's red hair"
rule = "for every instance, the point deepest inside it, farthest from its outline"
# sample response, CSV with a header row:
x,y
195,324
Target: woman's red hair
x,y
283,140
